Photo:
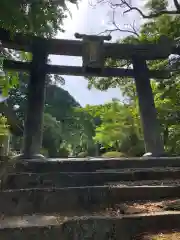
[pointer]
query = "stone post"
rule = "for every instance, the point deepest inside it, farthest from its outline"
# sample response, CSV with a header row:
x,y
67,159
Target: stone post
x,y
150,124
35,103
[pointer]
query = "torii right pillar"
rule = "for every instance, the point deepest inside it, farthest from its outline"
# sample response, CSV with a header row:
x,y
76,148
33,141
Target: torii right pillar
x,y
150,124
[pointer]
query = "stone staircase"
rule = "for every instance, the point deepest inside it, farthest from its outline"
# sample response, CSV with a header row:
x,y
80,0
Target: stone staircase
x,y
88,199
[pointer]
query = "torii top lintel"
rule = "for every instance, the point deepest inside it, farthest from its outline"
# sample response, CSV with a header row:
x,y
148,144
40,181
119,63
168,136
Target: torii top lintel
x,y
93,37
148,51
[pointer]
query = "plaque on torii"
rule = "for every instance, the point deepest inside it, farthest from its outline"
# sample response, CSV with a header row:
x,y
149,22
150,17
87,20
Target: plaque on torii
x,y
93,52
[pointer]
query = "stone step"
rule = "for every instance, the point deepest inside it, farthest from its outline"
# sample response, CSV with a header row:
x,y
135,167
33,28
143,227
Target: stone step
x,y
76,179
64,200
92,165
88,227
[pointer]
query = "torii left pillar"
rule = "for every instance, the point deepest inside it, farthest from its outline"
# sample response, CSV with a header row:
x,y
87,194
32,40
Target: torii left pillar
x,y
35,103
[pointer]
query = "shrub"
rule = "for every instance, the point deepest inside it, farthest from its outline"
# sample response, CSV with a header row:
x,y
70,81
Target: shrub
x,y
63,153
113,154
82,154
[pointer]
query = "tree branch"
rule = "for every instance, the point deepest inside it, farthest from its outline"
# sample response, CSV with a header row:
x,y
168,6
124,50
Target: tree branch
x,y
133,31
109,31
124,3
117,28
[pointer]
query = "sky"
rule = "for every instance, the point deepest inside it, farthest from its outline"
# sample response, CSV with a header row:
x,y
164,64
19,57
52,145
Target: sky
x,y
90,20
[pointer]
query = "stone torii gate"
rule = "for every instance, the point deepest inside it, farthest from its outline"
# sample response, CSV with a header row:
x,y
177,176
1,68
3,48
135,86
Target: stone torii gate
x,y
94,52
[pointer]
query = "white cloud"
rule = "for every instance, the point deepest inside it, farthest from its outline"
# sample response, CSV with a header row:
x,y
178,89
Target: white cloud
x,y
102,22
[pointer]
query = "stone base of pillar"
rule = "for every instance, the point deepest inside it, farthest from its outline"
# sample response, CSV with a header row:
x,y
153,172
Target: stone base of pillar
x,y
149,154
34,157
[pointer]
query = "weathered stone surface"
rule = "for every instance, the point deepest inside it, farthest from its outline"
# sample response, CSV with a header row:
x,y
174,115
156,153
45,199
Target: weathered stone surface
x,y
96,228
31,233
41,198
93,165
43,180
28,201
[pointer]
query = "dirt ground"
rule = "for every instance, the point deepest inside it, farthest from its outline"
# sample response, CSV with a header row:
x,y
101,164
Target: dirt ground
x,y
163,236
143,207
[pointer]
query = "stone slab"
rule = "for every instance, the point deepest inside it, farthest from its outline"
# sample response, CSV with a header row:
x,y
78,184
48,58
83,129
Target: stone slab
x,y
86,228
93,165
76,179
64,200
